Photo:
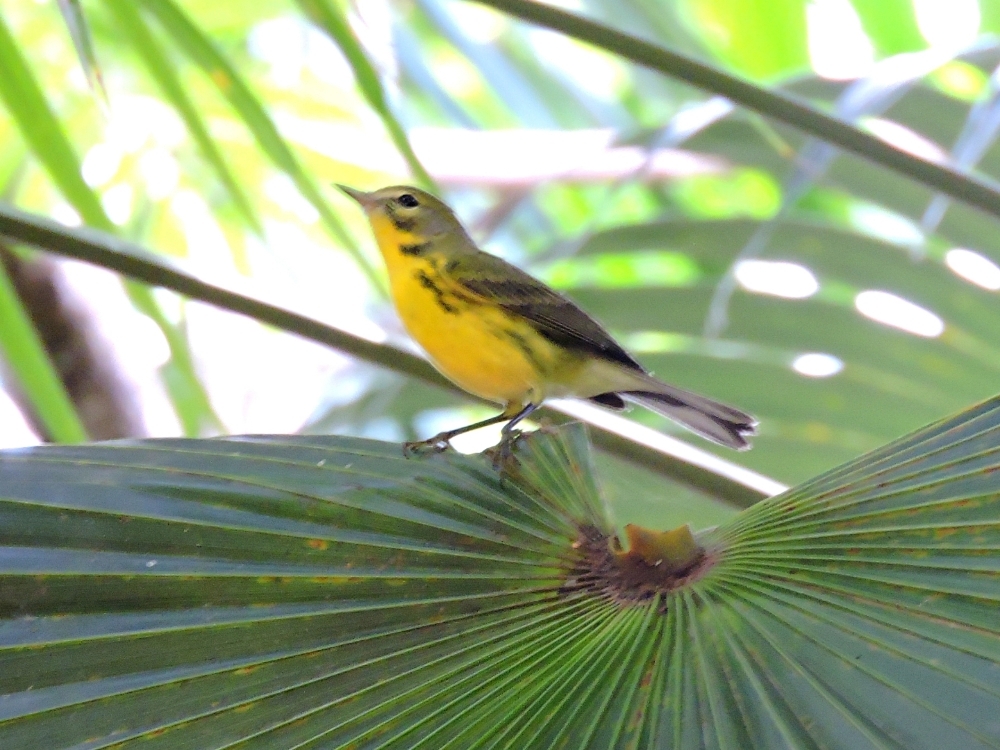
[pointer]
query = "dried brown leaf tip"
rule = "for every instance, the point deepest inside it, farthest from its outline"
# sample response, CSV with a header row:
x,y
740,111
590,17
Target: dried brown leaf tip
x,y
655,563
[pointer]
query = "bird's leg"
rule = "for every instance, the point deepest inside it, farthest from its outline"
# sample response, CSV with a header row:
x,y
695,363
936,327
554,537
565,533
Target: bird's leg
x,y
442,441
503,453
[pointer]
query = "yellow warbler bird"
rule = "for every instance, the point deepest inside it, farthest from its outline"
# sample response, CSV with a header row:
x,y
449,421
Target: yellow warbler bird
x,y
502,335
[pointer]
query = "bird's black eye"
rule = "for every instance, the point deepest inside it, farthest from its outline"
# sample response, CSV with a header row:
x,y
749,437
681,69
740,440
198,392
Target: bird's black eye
x,y
407,201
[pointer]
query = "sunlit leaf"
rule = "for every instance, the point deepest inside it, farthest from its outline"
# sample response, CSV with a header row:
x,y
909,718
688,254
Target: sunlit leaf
x,y
163,72
331,19
501,77
254,114
76,22
761,39
24,98
890,24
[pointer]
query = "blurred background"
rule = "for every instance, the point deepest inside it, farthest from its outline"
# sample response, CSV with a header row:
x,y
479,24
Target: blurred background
x,y
842,304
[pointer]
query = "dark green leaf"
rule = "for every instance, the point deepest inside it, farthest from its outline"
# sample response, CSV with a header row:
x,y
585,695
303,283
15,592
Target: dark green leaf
x,y
327,592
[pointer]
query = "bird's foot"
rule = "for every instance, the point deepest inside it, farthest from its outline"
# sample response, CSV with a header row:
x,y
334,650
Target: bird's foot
x,y
437,444
502,454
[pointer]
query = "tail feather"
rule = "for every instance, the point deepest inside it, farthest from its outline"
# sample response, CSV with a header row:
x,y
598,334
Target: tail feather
x,y
714,421
610,383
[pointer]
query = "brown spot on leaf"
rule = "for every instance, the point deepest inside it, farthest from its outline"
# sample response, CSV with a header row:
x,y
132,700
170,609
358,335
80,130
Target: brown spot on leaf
x,y
656,563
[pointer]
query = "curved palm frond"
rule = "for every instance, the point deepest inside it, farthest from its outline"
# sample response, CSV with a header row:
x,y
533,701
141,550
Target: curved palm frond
x,y
324,592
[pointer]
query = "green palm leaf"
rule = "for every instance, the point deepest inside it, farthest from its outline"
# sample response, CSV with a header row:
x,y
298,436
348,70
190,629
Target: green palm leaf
x,y
324,592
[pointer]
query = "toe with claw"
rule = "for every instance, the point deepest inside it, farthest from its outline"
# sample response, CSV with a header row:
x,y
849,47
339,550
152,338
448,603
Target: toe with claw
x,y
437,444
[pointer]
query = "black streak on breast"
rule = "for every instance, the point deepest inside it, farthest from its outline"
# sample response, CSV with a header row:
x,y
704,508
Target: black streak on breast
x,y
525,348
415,250
428,283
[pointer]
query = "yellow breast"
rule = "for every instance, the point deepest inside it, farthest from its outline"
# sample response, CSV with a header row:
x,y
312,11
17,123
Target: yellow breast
x,y
473,345
478,346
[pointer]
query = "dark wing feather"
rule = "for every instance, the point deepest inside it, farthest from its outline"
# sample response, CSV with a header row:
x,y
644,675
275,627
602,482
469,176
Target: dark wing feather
x,y
555,317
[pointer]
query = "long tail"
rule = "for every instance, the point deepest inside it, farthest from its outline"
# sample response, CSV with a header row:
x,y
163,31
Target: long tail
x,y
612,384
714,421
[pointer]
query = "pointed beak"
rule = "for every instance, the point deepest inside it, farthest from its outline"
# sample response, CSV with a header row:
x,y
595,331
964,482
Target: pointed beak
x,y
363,198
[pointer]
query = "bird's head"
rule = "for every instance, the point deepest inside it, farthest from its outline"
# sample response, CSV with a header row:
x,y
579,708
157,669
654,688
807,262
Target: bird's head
x,y
408,210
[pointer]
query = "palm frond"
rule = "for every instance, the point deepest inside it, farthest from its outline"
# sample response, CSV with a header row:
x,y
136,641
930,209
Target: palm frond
x,y
326,592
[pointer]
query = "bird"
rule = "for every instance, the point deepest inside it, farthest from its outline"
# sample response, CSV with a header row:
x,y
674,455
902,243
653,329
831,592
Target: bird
x,y
500,334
